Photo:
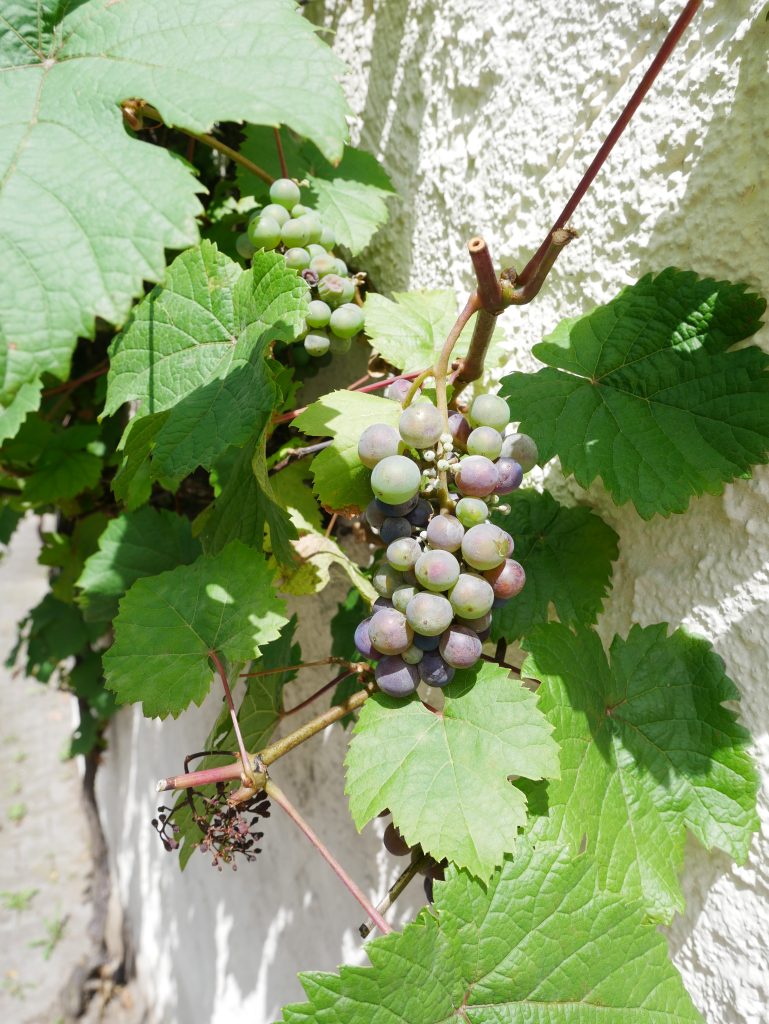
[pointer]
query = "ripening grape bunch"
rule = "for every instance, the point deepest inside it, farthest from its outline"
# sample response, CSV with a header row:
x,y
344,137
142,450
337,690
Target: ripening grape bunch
x,y
446,565
297,231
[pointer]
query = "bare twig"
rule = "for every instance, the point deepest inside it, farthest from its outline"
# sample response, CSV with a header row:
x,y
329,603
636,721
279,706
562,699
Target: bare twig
x,y
281,747
298,453
247,769
400,883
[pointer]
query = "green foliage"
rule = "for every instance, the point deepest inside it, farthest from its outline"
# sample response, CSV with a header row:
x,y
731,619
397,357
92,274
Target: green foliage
x,y
51,632
567,555
409,330
444,776
539,944
88,222
646,393
168,625
342,483
647,751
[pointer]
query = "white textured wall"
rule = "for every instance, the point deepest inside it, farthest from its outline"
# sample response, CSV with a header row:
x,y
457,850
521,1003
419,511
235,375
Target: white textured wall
x,y
484,112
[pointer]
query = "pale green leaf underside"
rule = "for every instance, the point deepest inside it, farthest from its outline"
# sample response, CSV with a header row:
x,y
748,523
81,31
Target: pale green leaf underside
x,y
168,625
539,945
341,481
353,210
647,751
86,209
567,554
643,392
445,777
409,330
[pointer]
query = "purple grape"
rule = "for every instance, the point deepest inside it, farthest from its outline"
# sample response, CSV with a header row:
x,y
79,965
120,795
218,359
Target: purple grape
x,y
427,643
445,532
397,389
523,449
471,596
437,570
395,678
510,476
485,546
420,514
477,476
377,442
363,641
402,509
507,580
431,614
459,429
389,631
479,624
394,842
393,528
403,553
433,670
374,515
421,425
381,602
460,647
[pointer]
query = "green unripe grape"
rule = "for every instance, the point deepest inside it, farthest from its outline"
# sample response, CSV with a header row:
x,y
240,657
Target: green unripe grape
x,y
244,246
300,210
264,233
297,258
294,232
318,314
340,346
471,512
489,411
317,344
336,290
314,226
285,192
413,655
395,479
485,441
327,238
347,320
402,595
323,265
315,250
341,268
278,213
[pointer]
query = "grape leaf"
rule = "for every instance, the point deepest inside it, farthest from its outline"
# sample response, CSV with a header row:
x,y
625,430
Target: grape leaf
x,y
567,555
538,945
136,544
14,409
69,463
195,348
342,482
168,625
51,632
644,393
9,520
444,776
647,751
68,553
258,715
409,330
88,209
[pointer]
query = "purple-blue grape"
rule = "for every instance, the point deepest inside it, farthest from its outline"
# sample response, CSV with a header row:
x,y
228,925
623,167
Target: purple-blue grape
x,y
445,532
401,509
374,515
485,546
434,671
381,602
363,641
395,677
420,513
460,647
437,570
510,476
477,476
389,631
397,389
393,528
427,643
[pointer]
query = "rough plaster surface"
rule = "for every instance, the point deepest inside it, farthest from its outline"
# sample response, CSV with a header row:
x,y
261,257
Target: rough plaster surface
x,y
484,113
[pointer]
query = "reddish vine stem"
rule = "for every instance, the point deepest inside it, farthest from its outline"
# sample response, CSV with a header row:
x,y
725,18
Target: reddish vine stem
x,y
319,693
352,665
286,417
70,385
281,154
233,713
280,798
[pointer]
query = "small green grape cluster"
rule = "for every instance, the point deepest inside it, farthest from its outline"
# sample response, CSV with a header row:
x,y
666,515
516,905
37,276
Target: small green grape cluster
x,y
297,231
446,566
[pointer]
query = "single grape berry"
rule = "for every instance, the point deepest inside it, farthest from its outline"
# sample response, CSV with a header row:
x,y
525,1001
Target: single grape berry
x,y
420,514
395,479
510,476
489,411
264,233
318,314
430,614
297,258
403,595
485,441
389,631
398,389
421,425
315,250
244,246
347,320
459,429
393,528
294,232
507,580
385,580
317,343
363,641
427,643
277,212
477,476
434,671
460,647
381,602
470,597
377,442
374,515
285,193
413,655
403,553
395,677
471,512
327,238
445,532
523,449
401,508
479,625
437,570
485,546
323,264
336,290
300,210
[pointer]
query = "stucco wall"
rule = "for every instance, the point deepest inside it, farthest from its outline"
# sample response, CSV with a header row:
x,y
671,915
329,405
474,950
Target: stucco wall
x,y
484,112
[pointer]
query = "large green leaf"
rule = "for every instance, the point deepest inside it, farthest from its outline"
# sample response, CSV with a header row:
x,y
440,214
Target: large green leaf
x,y
136,544
342,482
87,209
13,411
444,776
69,463
644,393
195,348
168,625
647,751
567,555
409,330
538,945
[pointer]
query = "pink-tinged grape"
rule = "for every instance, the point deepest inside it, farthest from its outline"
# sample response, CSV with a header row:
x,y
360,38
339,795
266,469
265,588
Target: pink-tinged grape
x,y
427,643
510,476
460,647
421,425
507,579
395,678
285,193
420,514
485,546
413,655
377,442
434,671
459,429
398,389
404,552
264,233
394,842
394,528
327,238
485,441
429,614
374,515
471,512
395,479
479,625
477,476
277,212
389,631
323,265
317,343
401,509
471,596
347,320
294,232
385,580
403,595
363,641
297,258
335,290
445,532
523,449
244,246
437,570
489,411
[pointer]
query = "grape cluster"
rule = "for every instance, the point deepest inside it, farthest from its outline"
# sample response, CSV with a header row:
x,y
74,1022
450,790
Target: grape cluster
x,y
443,572
295,230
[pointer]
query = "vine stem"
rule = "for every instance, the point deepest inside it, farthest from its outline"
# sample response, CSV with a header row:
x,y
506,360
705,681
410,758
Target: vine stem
x,y
352,665
394,892
299,453
70,385
319,693
281,154
276,793
286,417
247,769
416,385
